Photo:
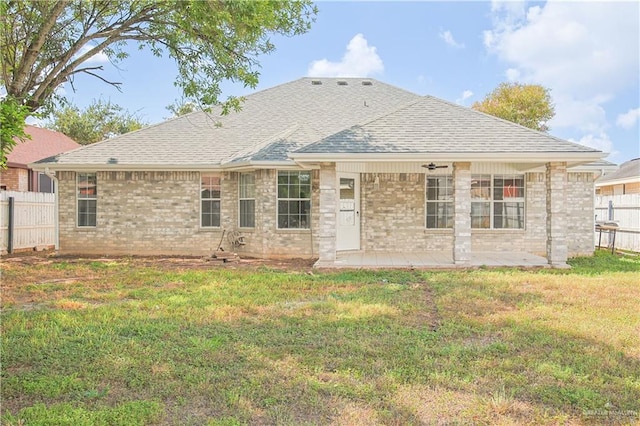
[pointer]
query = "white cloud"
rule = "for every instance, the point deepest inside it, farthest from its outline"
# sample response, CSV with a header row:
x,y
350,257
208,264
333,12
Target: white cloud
x,y
584,52
98,58
601,141
360,60
586,115
629,118
512,74
448,38
465,95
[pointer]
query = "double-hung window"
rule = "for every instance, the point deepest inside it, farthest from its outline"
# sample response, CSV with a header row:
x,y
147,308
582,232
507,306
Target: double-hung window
x,y
210,200
439,202
247,216
497,202
87,195
294,200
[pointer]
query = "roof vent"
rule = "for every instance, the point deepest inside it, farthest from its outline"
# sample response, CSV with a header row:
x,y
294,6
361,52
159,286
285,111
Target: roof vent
x,y
342,83
316,82
367,83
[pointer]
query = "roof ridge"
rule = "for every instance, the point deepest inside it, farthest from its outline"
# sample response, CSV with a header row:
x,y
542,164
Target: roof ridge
x,y
365,122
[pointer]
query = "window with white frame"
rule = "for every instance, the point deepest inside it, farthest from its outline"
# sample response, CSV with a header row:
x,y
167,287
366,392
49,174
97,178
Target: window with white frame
x,y
439,202
210,200
294,200
87,196
247,208
497,202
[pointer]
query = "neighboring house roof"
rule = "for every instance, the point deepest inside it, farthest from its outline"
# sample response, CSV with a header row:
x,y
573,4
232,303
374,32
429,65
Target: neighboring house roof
x,y
627,172
43,143
271,123
321,116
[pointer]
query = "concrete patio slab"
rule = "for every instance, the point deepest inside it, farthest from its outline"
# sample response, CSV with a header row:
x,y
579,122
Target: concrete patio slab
x,y
432,260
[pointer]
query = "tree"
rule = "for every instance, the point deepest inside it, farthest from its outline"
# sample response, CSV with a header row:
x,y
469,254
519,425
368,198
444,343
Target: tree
x,y
182,107
44,44
526,104
12,117
100,120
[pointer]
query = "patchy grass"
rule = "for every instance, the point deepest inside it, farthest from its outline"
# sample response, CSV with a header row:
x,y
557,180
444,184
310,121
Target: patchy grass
x,y
121,341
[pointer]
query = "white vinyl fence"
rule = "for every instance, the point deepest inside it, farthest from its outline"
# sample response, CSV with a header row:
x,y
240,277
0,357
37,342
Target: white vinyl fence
x,y
33,220
625,211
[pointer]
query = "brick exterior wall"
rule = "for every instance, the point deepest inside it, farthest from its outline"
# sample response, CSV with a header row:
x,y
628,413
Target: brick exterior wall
x,y
580,213
327,213
461,213
146,213
150,213
393,216
15,179
556,179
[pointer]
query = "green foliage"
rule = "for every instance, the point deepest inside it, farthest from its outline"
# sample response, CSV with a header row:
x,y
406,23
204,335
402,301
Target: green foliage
x,y
526,104
129,413
44,44
12,122
181,107
603,262
100,120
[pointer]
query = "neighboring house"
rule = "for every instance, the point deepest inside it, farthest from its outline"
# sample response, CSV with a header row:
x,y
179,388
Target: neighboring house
x,y
43,143
618,201
319,166
624,180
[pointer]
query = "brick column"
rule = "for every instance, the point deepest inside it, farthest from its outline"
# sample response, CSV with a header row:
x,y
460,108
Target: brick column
x,y
461,213
327,210
556,179
266,217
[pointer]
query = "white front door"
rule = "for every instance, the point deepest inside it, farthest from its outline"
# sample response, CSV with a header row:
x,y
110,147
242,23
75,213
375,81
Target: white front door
x,y
348,215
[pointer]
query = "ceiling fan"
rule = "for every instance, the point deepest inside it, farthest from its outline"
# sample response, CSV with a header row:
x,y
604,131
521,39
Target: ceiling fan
x,y
432,166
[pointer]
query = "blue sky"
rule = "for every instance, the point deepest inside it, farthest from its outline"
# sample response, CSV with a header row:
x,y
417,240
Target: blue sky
x,y
587,53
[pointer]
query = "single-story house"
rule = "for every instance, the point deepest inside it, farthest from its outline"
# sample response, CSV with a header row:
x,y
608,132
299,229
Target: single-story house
x,y
43,144
624,180
322,166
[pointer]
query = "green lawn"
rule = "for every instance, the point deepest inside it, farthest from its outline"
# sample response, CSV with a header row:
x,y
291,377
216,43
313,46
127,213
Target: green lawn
x,y
99,342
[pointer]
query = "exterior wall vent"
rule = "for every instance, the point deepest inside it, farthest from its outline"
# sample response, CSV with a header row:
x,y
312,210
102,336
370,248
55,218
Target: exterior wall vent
x,y
342,83
367,83
316,82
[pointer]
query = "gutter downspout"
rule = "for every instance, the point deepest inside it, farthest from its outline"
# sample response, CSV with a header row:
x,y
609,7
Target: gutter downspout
x,y
52,175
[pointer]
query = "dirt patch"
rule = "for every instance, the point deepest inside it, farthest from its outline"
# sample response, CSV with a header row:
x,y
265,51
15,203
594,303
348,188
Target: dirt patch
x,y
161,262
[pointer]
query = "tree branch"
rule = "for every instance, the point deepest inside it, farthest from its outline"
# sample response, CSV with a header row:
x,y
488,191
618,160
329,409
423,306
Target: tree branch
x,y
18,84
88,70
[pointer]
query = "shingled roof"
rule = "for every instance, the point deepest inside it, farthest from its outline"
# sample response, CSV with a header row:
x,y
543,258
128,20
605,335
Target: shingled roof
x,y
432,126
272,122
628,171
43,143
311,118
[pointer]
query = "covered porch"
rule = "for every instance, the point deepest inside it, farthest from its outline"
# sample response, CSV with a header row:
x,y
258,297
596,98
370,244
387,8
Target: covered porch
x,y
431,260
373,215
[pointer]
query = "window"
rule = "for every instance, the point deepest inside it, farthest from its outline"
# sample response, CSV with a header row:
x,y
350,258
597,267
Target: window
x,y
481,201
497,202
294,200
87,194
210,200
439,201
247,216
45,183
